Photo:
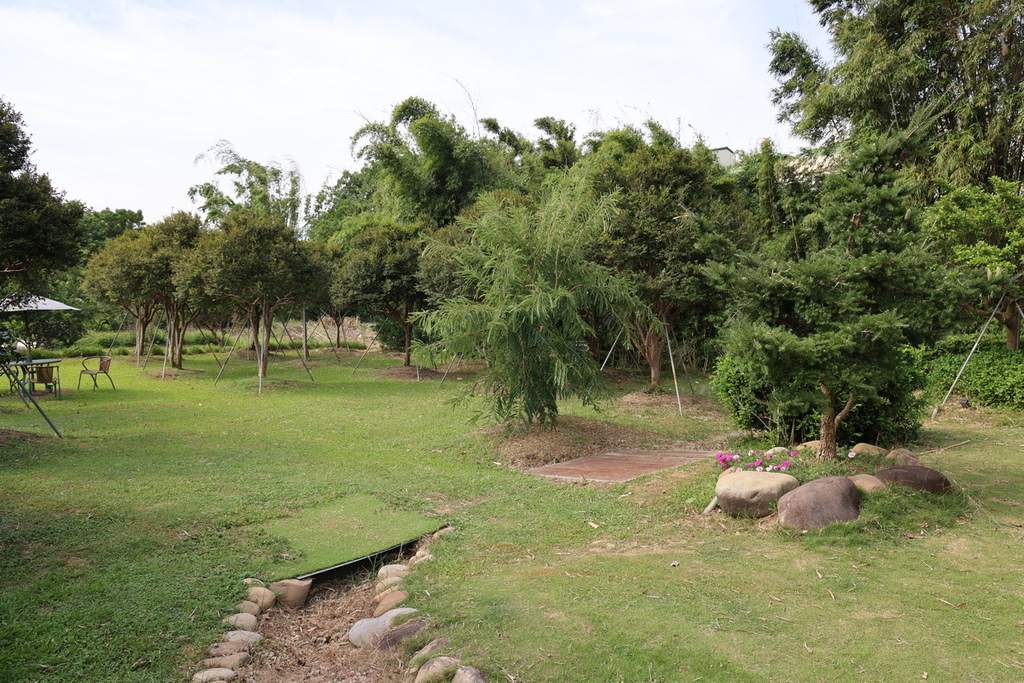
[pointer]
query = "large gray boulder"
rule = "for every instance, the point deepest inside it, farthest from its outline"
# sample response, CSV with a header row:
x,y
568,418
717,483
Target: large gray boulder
x,y
819,503
746,493
917,477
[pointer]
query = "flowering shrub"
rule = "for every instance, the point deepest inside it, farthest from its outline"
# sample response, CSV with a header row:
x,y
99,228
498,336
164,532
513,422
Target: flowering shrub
x,y
759,462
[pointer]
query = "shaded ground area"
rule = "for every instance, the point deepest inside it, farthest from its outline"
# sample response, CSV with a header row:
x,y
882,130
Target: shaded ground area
x,y
12,435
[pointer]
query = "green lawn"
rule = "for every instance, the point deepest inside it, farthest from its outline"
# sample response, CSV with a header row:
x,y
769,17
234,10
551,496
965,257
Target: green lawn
x,y
121,546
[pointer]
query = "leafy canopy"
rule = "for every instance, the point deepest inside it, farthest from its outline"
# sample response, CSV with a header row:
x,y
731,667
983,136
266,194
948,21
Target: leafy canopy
x,y
532,284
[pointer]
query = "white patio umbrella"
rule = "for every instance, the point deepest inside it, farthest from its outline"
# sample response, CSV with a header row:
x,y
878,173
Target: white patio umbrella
x,y
34,304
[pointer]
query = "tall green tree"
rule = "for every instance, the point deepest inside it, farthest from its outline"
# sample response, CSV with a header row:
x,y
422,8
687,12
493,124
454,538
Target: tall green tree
x,y
676,213
40,233
982,230
377,272
121,273
822,329
429,165
258,262
955,65
100,226
265,190
532,286
137,270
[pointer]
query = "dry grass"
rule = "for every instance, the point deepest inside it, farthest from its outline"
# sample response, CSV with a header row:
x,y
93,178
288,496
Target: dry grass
x,y
311,644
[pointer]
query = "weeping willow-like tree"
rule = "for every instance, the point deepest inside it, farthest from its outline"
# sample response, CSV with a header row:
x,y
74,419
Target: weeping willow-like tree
x,y
532,293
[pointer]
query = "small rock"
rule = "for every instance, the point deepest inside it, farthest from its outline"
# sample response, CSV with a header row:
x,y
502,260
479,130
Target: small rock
x,y
232,661
242,636
748,493
242,621
778,451
916,477
424,557
393,599
388,583
264,597
819,503
249,607
437,669
868,483
902,456
366,632
383,594
423,654
390,570
228,648
812,446
868,449
468,674
292,592
252,582
218,674
400,634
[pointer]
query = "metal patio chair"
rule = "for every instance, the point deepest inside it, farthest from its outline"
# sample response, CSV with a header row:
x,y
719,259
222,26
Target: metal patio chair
x,y
103,368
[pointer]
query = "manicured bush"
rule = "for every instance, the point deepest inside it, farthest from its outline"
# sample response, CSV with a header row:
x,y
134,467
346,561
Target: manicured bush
x,y
892,416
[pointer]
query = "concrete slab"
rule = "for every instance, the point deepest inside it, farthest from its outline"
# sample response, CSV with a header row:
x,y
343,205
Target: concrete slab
x,y
616,466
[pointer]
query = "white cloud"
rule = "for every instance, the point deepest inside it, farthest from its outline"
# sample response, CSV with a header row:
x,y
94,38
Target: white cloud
x,y
121,95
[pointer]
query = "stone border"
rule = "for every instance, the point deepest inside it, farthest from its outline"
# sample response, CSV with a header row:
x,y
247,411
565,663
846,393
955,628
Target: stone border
x,y
426,666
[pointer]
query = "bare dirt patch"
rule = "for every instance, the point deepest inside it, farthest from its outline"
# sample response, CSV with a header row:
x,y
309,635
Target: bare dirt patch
x,y
576,437
172,373
411,373
311,644
13,435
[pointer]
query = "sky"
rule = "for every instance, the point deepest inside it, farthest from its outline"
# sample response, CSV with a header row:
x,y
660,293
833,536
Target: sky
x,y
122,98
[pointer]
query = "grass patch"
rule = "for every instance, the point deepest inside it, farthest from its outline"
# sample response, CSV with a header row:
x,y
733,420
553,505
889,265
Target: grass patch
x,y
343,530
123,545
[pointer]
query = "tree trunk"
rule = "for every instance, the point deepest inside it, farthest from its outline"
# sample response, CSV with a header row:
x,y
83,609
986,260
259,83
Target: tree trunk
x,y
1012,323
651,344
830,420
1010,319
263,339
407,328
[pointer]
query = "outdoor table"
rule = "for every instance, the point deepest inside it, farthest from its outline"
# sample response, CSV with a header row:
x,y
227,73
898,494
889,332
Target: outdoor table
x,y
25,367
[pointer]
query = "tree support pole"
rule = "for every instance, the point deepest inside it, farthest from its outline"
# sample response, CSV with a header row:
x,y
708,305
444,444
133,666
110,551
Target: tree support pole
x,y
968,359
241,328
675,379
290,339
449,369
614,344
26,396
376,334
152,340
118,333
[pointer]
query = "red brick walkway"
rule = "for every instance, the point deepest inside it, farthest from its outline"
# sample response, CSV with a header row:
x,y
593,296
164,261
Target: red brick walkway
x,y
620,465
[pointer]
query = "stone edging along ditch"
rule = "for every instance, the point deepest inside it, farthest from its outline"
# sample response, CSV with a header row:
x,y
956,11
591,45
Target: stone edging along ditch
x,y
231,653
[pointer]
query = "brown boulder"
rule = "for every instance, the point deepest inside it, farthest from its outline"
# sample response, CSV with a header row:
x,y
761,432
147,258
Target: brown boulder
x,y
400,634
819,503
916,477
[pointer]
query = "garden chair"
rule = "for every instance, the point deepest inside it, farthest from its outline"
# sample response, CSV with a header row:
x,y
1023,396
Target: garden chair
x,y
48,375
103,368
